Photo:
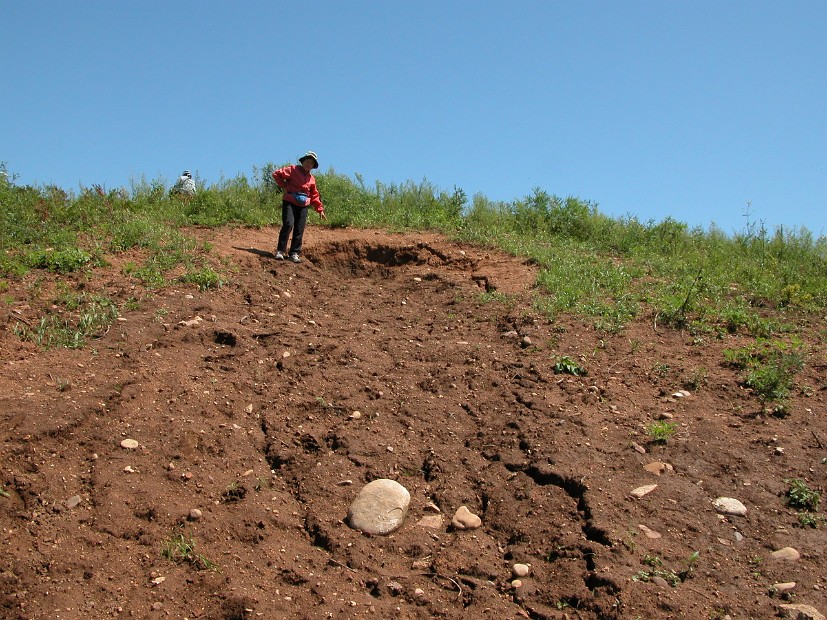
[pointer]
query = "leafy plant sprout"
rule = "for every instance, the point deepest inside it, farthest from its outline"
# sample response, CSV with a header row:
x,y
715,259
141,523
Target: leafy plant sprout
x,y
661,431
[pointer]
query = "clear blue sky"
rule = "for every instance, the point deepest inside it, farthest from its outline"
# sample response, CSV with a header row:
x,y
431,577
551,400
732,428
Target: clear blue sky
x,y
651,108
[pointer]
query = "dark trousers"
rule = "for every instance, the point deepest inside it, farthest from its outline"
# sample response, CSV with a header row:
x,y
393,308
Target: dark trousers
x,y
293,219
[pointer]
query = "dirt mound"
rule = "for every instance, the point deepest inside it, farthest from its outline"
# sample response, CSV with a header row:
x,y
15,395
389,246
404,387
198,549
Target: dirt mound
x,y
260,409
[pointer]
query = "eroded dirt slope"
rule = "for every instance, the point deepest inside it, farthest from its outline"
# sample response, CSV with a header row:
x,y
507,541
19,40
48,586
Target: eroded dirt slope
x,y
243,402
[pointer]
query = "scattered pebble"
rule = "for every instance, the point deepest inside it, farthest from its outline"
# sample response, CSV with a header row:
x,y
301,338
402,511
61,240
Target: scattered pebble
x,y
129,444
521,570
660,581
649,532
803,612
464,519
644,490
380,507
787,553
73,501
516,584
194,515
433,522
657,468
638,448
783,587
729,506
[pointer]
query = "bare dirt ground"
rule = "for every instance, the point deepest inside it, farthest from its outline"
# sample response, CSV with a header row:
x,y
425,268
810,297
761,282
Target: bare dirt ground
x,y
249,447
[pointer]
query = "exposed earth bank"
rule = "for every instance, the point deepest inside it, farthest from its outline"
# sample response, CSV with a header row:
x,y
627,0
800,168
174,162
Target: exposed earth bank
x,y
258,411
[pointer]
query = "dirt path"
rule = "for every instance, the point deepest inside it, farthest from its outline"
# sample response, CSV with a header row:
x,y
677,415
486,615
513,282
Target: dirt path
x,y
381,356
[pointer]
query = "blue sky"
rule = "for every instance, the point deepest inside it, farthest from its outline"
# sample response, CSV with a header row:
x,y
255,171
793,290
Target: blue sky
x,y
691,110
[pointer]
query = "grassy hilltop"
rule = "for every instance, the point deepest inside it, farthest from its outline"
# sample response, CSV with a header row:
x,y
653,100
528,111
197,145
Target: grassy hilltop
x,y
759,282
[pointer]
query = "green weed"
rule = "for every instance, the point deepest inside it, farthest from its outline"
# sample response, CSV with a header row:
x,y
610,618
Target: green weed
x,y
565,365
661,431
205,278
55,330
801,496
181,550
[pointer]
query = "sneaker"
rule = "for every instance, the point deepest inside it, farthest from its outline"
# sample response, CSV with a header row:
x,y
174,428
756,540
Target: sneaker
x,y
279,255
295,257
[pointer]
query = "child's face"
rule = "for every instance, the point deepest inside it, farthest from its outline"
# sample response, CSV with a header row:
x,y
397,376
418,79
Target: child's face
x,y
307,164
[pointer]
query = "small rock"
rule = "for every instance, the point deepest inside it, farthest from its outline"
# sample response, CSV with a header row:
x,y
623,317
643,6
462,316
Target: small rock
x,y
787,553
663,415
380,507
73,501
248,409
431,507
783,587
660,581
644,490
729,506
419,592
649,532
191,323
158,581
194,515
520,570
657,468
344,483
355,415
738,536
129,444
516,584
130,470
433,522
638,448
803,612
525,342
464,519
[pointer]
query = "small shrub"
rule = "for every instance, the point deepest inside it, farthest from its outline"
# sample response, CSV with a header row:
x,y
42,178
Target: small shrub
x,y
662,430
181,550
565,365
205,278
801,496
60,261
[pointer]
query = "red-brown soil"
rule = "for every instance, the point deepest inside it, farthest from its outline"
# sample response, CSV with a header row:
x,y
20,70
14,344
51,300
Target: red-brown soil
x,y
248,416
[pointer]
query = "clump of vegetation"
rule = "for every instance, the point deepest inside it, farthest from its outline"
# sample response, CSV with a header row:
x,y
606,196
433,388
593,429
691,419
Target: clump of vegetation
x,y
566,365
670,576
205,278
181,550
769,369
609,269
801,496
661,431
806,500
93,318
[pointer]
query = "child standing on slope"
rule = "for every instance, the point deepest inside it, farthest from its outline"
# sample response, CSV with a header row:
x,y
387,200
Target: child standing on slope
x,y
299,192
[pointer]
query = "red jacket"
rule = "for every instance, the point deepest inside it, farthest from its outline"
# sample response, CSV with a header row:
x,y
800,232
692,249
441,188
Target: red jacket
x,y
295,179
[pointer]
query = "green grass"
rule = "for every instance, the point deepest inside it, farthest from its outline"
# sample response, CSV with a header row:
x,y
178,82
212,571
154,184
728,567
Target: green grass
x,y
756,283
180,549
801,496
661,431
